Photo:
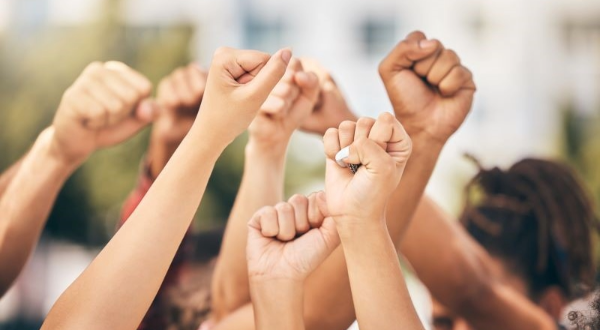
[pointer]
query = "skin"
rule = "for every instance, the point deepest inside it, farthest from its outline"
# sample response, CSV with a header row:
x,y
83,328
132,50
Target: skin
x,y
289,104
357,203
280,257
115,292
277,257
178,99
475,286
430,112
104,107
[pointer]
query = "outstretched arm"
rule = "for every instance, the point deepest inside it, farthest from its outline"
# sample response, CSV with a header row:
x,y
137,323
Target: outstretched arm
x,y
115,291
468,286
357,202
290,103
32,185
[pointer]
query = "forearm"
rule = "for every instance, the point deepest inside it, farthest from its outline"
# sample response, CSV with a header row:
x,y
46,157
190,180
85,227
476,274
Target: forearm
x,y
446,250
381,298
405,199
121,282
26,204
278,305
468,287
8,175
262,184
401,207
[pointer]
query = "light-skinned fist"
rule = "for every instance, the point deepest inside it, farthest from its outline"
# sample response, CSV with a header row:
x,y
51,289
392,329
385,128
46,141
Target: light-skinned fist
x,y
178,97
287,107
430,90
291,239
331,107
382,147
105,106
239,82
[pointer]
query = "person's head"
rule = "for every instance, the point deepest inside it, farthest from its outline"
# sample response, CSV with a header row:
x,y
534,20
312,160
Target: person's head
x,y
536,220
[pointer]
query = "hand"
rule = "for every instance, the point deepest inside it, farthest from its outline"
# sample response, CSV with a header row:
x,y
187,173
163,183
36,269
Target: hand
x,y
430,90
239,82
105,106
383,148
290,240
179,96
331,108
178,99
288,105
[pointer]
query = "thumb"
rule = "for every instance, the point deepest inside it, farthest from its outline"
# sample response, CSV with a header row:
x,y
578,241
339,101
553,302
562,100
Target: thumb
x,y
330,235
270,74
147,111
309,93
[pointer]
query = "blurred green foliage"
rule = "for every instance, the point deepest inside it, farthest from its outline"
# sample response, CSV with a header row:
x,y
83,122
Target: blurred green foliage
x,y
39,65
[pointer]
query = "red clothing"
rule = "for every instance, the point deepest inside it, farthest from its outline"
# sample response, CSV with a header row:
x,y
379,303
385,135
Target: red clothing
x,y
156,317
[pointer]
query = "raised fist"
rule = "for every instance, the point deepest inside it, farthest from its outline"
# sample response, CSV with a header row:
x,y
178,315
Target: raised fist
x,y
290,240
239,82
331,108
382,148
178,96
288,106
430,90
105,106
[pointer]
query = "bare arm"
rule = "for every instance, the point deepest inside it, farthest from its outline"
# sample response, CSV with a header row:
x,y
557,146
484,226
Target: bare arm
x,y
8,175
262,182
115,291
430,110
29,195
34,184
133,264
436,244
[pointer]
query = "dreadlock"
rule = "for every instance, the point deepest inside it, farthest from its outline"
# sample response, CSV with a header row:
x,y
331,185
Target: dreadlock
x,y
538,219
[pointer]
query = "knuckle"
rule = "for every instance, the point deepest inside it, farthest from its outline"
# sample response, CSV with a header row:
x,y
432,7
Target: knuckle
x,y
346,124
451,54
298,199
365,122
94,66
387,118
284,207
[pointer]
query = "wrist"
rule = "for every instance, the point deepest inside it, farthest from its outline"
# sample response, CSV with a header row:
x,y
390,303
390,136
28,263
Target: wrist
x,y
423,141
278,304
55,153
271,148
349,227
271,153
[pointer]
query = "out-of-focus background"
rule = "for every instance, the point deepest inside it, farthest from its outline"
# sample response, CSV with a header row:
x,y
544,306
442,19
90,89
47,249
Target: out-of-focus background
x,y
536,64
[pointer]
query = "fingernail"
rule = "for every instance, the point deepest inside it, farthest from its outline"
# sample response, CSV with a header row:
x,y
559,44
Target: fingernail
x,y
342,155
286,55
426,43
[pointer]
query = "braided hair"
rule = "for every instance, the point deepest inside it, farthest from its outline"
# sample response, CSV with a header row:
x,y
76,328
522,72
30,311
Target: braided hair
x,y
539,220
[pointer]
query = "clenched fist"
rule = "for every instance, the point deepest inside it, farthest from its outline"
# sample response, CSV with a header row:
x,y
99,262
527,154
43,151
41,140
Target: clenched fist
x,y
105,106
290,240
239,82
382,148
331,107
430,90
179,96
287,107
